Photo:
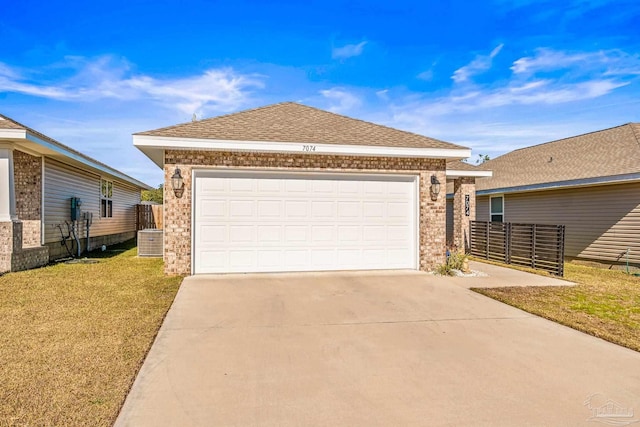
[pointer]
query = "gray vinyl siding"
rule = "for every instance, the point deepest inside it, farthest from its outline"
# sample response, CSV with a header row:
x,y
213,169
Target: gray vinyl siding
x,y
482,208
601,222
61,182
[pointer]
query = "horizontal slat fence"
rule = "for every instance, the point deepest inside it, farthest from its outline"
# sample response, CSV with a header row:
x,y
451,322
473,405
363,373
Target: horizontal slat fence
x,y
537,246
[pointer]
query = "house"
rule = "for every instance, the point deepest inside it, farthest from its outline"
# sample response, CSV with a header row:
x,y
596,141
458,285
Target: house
x,y
38,179
590,183
289,187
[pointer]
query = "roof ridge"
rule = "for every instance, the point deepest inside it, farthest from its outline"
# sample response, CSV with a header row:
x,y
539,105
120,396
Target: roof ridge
x,y
563,139
9,119
366,122
342,116
635,132
218,117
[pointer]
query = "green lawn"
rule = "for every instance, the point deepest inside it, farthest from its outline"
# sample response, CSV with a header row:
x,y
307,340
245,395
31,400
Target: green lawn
x,y
605,303
74,336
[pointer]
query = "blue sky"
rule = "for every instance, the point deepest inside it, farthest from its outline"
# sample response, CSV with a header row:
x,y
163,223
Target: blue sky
x,y
493,75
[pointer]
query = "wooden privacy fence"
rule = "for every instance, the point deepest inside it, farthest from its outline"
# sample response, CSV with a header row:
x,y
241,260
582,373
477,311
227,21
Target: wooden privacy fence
x,y
538,246
148,216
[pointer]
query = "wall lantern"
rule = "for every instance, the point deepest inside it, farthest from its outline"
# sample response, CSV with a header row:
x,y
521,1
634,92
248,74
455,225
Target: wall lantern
x,y
177,183
435,187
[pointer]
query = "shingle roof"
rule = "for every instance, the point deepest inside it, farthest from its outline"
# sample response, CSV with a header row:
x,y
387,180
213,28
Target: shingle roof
x,y
7,123
461,166
292,122
609,152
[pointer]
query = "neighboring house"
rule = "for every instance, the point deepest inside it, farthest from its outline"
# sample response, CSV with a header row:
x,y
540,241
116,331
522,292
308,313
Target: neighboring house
x,y
289,187
38,178
590,183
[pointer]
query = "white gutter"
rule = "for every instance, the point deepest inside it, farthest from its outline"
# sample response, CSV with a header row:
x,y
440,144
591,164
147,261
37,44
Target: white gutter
x,y
453,173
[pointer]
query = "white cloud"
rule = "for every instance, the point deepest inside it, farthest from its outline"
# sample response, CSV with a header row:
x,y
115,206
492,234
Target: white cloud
x,y
480,64
426,75
106,77
383,94
605,62
341,100
548,59
348,51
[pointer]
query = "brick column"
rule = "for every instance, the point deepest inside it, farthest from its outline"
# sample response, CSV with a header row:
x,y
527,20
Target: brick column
x,y
464,210
433,219
10,243
28,196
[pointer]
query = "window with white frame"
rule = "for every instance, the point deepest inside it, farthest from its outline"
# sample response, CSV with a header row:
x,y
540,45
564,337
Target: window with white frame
x,y
497,208
106,202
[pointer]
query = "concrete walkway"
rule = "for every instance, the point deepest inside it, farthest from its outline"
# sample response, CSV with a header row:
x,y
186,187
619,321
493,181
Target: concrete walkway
x,y
371,349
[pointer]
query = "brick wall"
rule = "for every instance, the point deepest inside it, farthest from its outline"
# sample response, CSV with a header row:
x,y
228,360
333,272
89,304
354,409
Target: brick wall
x,y
28,190
13,257
177,220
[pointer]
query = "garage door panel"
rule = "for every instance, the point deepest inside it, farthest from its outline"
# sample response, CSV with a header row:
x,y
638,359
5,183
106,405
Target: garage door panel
x,y
214,208
323,209
242,185
349,210
244,234
212,260
270,186
323,233
269,260
213,234
298,223
296,233
349,234
269,209
398,211
296,259
296,186
269,234
296,209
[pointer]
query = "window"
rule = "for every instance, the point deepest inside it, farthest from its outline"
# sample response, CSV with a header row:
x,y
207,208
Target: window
x,y
497,209
106,204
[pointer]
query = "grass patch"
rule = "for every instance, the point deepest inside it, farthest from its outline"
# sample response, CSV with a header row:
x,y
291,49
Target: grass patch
x,y
604,303
74,336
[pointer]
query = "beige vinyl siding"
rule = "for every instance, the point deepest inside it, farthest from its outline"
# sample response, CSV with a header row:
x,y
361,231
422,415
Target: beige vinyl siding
x,y
601,222
61,182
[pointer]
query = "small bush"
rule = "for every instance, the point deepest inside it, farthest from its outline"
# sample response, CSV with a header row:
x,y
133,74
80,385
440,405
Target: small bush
x,y
455,261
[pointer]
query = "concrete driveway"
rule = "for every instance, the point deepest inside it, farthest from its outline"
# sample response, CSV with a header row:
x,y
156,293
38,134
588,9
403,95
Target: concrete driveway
x,y
371,349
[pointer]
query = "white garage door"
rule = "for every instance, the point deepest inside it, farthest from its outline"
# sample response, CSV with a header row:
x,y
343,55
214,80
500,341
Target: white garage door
x,y
262,222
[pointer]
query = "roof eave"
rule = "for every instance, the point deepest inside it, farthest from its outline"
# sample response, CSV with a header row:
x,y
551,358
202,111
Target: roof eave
x,y
154,146
35,144
585,182
453,173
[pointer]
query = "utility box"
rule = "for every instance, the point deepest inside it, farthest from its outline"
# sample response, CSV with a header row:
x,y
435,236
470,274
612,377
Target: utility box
x,y
150,243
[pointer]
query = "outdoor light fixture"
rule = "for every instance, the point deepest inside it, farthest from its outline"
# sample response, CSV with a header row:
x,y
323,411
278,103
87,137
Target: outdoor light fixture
x,y
435,187
177,183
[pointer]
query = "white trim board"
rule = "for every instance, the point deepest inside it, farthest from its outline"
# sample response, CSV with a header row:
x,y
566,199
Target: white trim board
x,y
154,146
